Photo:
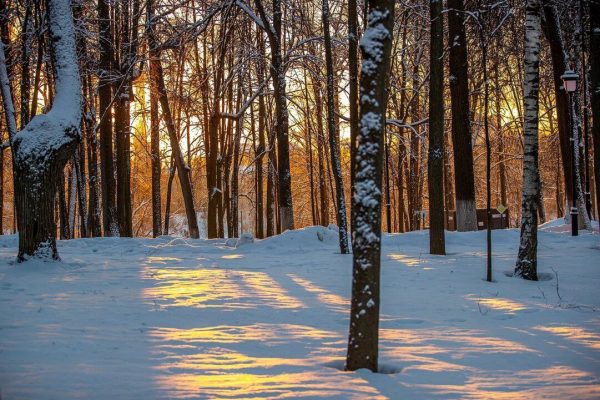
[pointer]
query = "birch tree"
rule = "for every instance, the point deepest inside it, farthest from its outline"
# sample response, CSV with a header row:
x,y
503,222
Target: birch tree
x,y
375,46
526,266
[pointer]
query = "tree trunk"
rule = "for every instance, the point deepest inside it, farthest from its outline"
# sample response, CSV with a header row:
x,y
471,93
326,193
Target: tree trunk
x,y
44,146
364,315
260,149
594,59
26,43
353,91
464,181
93,223
128,55
105,72
552,32
435,159
81,198
155,152
333,137
526,265
182,169
286,210
271,184
63,212
499,132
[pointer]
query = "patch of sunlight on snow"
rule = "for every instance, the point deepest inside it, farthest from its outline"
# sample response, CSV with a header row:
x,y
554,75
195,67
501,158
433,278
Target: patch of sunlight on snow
x,y
337,302
555,382
232,256
216,288
498,303
190,367
272,333
429,349
575,334
222,360
406,260
314,384
161,260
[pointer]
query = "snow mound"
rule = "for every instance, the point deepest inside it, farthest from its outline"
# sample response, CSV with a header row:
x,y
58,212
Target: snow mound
x,y
560,225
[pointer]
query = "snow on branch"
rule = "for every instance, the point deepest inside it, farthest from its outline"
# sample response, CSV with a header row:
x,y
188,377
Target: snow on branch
x,y
244,7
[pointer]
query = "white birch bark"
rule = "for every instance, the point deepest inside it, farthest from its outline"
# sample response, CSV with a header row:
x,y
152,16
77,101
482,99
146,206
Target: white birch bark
x,y
526,265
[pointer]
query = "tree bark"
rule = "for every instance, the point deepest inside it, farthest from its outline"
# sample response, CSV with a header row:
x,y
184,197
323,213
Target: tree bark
x,y
44,146
464,181
333,136
364,315
526,265
552,32
353,91
594,60
105,71
435,159
154,139
123,95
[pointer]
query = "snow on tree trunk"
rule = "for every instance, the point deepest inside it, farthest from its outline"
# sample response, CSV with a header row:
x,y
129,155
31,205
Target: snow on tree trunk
x,y
333,137
364,315
526,265
44,146
435,159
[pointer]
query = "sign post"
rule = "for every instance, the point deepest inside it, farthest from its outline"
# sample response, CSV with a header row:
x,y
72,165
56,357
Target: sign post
x,y
501,208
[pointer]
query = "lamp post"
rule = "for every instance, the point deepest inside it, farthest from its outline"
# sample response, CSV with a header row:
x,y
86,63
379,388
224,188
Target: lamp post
x,y
570,84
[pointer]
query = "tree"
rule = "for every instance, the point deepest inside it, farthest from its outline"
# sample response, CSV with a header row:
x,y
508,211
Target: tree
x,y
179,163
154,134
466,215
286,210
552,30
126,72
43,147
353,89
333,136
435,159
376,45
105,70
526,265
595,89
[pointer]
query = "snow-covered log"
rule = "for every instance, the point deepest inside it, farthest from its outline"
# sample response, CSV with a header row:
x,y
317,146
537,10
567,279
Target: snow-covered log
x,y
47,142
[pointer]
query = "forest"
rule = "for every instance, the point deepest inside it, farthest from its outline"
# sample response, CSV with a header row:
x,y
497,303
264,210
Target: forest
x,y
399,132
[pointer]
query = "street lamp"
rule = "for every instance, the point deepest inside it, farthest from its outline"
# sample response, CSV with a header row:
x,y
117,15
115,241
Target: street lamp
x,y
570,84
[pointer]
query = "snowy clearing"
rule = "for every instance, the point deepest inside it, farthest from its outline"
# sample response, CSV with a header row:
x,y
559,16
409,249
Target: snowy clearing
x,y
180,318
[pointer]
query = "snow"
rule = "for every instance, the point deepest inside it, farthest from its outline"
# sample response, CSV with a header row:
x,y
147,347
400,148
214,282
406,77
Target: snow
x,y
180,318
47,133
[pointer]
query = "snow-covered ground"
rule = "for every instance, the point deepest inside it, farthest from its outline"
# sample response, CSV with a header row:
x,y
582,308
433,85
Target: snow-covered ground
x,y
178,318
